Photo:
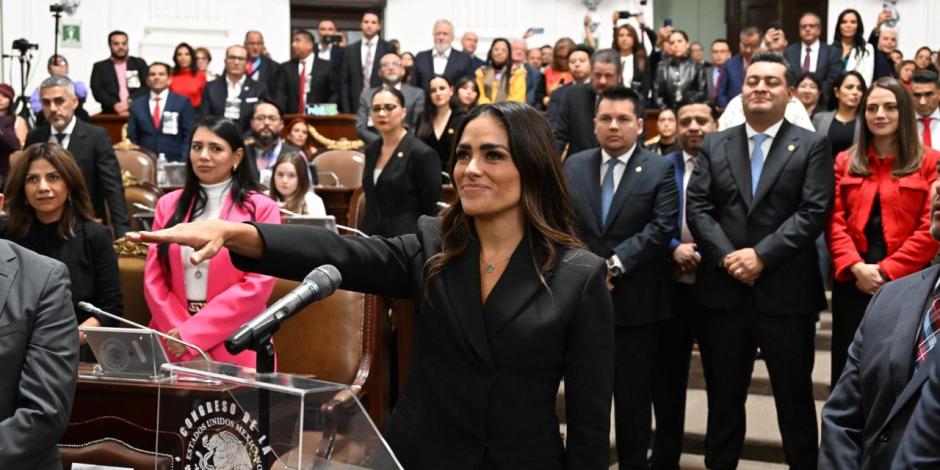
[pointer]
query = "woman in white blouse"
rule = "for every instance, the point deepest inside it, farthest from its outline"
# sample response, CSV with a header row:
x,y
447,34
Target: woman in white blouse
x,y
857,54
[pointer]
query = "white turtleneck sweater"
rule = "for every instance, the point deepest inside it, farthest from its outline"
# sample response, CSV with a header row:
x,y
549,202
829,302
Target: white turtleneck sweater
x,y
196,277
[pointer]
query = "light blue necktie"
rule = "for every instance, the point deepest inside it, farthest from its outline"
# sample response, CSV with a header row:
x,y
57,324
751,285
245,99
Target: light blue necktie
x,y
757,161
607,188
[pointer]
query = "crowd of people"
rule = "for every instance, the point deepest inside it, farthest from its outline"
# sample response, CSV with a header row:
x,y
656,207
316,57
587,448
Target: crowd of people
x,y
577,248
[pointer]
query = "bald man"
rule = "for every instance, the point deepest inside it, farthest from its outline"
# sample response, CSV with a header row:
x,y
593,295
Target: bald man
x,y
469,42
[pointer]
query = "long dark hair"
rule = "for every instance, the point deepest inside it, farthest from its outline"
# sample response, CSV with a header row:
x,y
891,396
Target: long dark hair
x,y
910,151
294,202
858,41
638,51
193,199
426,122
192,59
838,84
545,200
489,55
77,204
455,100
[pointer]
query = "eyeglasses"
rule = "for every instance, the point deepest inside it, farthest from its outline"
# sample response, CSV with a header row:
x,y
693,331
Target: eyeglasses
x,y
809,26
266,117
384,107
236,58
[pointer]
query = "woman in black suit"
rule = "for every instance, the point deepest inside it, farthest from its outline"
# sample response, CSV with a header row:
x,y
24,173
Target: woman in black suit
x,y
50,213
509,303
402,176
439,120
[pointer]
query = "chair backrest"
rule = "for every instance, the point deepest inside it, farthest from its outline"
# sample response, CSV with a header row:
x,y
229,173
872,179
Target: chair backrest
x,y
331,339
138,163
357,209
347,165
145,194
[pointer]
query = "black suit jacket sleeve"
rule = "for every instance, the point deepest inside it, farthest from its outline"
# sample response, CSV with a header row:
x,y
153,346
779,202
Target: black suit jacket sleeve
x,y
809,220
427,177
109,182
699,209
649,244
561,126
589,376
46,382
920,444
187,124
843,417
101,86
107,276
833,70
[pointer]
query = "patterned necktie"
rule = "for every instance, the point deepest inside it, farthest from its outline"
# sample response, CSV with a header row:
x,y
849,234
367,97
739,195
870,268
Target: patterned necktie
x,y
367,66
806,60
757,161
301,87
927,138
607,189
927,337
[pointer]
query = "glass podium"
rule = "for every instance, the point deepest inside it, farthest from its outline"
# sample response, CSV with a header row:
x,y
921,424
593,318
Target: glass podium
x,y
265,421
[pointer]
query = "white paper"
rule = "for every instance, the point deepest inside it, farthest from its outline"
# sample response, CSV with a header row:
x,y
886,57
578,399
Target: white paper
x,y
133,79
170,123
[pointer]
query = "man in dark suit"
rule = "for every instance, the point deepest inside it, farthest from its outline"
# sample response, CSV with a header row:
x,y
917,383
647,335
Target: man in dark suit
x,y
392,74
442,59
875,398
733,77
89,145
695,121
920,444
759,197
721,53
305,79
233,95
328,47
579,64
627,205
574,127
265,144
119,78
360,68
259,67
162,123
40,351
812,55
469,41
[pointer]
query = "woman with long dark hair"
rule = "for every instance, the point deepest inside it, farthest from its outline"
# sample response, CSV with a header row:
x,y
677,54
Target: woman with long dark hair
x,y
923,58
632,59
849,37
508,304
880,224
440,117
291,187
808,91
841,124
187,79
50,213
200,302
498,80
466,94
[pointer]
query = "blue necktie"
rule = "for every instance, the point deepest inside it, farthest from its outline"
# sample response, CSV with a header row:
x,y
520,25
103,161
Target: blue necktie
x,y
757,161
607,189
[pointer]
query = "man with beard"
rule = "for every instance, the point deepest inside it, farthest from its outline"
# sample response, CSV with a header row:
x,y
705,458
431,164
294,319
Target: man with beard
x,y
265,144
360,67
926,91
119,78
442,59
391,72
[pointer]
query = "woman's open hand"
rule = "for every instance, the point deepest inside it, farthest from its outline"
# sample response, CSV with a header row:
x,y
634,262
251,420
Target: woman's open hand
x,y
207,237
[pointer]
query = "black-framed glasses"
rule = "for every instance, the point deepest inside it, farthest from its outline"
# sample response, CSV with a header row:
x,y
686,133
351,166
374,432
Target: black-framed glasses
x,y
389,107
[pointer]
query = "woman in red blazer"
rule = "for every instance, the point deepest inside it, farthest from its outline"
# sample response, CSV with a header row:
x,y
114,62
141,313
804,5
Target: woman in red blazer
x,y
880,224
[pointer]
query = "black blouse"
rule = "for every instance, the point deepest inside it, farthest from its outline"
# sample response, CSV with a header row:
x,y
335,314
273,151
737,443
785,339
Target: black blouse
x,y
443,145
841,134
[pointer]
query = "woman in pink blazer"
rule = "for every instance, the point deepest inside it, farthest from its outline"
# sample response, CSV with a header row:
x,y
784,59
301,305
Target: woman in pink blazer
x,y
206,302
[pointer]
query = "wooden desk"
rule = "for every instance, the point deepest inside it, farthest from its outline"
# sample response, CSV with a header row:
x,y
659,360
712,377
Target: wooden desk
x,y
111,123
336,200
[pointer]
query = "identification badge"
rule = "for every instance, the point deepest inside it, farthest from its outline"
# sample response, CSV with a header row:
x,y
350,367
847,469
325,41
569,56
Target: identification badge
x,y
170,123
133,79
233,108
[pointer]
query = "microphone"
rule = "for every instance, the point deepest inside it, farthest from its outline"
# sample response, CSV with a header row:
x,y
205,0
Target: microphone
x,y
319,284
97,311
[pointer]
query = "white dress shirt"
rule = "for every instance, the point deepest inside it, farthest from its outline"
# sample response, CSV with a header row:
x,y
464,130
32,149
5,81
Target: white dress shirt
x,y
795,113
67,131
196,276
688,161
364,54
153,102
813,56
627,63
324,54
440,60
765,146
934,128
234,89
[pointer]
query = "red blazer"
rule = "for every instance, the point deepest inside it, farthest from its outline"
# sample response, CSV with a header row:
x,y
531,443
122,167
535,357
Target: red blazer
x,y
189,85
905,215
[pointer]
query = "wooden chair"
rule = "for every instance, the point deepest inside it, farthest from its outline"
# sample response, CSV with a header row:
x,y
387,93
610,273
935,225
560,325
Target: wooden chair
x,y
344,167
357,209
139,164
142,194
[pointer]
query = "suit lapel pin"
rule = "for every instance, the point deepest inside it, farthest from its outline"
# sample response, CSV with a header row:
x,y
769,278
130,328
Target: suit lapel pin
x,y
791,147
638,169
450,131
401,154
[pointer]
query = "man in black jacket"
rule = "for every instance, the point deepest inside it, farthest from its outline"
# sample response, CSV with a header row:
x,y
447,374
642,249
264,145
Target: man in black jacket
x,y
360,67
759,197
810,54
306,79
119,78
259,67
89,145
233,95
443,59
574,127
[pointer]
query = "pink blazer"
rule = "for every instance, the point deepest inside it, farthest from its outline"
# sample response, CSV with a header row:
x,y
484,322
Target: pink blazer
x,y
234,296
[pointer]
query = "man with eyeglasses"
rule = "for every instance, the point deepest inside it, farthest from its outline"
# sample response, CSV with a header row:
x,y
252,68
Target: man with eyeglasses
x,y
812,55
234,94
391,73
265,145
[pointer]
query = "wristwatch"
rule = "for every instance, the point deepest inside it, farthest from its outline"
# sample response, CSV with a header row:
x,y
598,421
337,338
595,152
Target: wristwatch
x,y
614,269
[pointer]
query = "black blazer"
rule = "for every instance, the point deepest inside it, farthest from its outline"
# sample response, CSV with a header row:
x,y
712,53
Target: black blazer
x,y
39,351
409,186
324,86
266,72
104,84
350,73
828,66
216,92
574,125
458,66
781,222
94,154
443,145
480,391
865,416
640,224
919,447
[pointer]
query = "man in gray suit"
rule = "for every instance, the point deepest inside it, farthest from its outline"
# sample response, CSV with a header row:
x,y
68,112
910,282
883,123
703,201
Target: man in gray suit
x,y
38,357
392,73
